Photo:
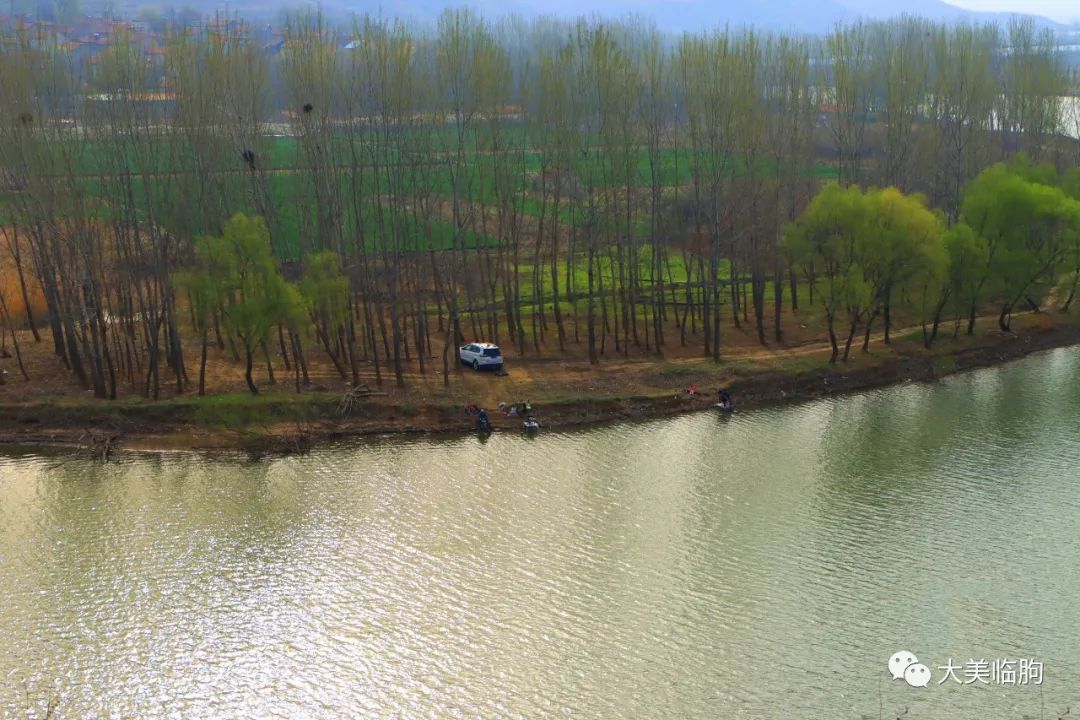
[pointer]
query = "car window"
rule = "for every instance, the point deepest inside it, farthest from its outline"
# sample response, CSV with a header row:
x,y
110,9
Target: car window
x,y
492,352
470,348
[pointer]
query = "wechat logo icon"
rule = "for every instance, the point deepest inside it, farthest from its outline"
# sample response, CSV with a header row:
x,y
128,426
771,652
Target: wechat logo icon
x,y
905,666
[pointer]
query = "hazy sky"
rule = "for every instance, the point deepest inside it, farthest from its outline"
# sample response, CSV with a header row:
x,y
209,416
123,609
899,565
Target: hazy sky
x,y
1061,10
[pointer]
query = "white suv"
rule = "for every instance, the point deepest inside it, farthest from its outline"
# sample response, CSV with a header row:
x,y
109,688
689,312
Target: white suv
x,y
482,355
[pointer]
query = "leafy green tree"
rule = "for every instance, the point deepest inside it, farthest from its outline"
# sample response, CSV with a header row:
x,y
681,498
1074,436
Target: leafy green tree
x,y
1070,185
902,246
1027,227
866,248
324,290
237,273
205,282
827,237
960,288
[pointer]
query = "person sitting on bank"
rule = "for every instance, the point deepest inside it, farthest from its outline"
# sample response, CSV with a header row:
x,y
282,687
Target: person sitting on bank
x,y
483,423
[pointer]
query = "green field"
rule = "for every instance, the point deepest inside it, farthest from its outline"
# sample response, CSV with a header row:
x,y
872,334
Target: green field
x,y
172,187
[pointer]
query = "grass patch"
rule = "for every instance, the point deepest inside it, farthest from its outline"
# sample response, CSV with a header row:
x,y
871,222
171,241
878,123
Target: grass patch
x,y
235,410
227,411
679,371
943,364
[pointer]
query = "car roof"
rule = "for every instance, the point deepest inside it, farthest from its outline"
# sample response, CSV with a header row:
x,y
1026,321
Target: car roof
x,y
486,344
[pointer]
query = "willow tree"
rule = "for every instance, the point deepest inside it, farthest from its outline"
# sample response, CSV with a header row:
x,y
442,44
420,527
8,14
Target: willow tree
x,y
902,247
828,235
239,274
325,293
1028,227
960,288
869,247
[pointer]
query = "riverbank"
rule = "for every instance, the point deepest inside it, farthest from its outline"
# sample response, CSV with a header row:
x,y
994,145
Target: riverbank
x,y
565,395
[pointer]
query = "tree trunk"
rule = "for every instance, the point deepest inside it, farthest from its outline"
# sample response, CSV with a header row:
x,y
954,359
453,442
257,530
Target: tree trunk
x,y
281,348
850,338
832,340
269,366
591,305
928,341
202,361
26,295
757,289
869,327
1072,292
778,305
14,337
249,359
1005,318
298,356
888,315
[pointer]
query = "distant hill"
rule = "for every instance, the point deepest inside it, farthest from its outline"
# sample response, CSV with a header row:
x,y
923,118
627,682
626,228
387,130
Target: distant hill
x,y
808,16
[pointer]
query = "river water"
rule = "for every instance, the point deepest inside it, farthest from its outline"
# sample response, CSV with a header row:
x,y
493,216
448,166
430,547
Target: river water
x,y
760,565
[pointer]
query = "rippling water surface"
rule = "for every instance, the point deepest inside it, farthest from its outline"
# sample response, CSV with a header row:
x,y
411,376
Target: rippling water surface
x,y
760,565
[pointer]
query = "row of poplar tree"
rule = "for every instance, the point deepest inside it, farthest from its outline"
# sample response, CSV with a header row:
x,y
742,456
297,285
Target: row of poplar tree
x,y
536,183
